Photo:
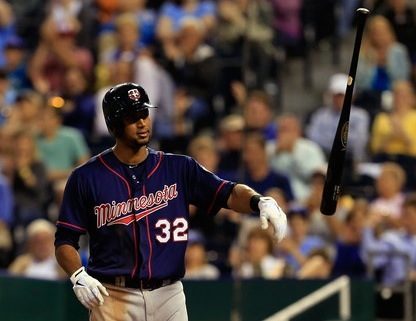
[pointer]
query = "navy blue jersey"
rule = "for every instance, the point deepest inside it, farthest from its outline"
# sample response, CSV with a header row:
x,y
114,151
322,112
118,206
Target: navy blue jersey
x,y
138,226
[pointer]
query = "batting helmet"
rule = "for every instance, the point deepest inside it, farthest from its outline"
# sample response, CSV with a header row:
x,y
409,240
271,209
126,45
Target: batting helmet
x,y
122,100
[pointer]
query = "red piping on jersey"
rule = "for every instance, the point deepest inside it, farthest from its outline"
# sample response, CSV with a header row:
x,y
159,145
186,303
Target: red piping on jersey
x,y
135,251
71,225
115,173
129,193
149,265
157,165
216,194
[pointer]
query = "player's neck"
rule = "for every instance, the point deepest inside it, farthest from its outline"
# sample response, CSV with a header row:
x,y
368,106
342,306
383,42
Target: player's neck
x,y
129,156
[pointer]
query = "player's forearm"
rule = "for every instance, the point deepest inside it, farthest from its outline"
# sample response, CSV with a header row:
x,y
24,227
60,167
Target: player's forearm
x,y
68,258
239,199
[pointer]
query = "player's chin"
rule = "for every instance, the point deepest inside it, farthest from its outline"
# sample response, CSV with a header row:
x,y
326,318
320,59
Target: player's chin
x,y
142,141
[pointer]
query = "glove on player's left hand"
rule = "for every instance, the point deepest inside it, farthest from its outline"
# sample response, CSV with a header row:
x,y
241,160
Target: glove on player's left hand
x,y
87,289
270,211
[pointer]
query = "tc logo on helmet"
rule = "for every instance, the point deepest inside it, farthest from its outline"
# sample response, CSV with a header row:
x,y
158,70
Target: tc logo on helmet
x,y
134,94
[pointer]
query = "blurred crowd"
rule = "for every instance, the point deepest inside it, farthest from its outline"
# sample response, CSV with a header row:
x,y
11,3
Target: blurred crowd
x,y
212,68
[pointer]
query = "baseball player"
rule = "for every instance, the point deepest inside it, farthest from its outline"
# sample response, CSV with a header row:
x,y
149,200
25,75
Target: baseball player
x,y
133,203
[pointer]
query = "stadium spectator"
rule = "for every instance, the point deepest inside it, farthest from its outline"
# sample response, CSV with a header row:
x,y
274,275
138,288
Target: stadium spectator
x,y
318,265
228,42
322,125
259,50
388,251
389,193
84,12
288,24
196,259
146,18
38,261
194,68
122,45
31,15
313,202
288,152
25,111
258,172
393,136
401,14
230,139
259,115
256,259
318,224
61,148
347,234
393,131
31,187
383,60
78,102
171,15
296,247
16,57
55,53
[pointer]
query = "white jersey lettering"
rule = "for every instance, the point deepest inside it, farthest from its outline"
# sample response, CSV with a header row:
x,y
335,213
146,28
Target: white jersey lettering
x,y
116,213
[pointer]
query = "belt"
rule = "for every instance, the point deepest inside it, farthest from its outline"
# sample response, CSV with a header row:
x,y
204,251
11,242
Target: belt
x,y
142,284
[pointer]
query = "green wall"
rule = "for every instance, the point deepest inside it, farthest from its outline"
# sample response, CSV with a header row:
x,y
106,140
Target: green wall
x,y
36,300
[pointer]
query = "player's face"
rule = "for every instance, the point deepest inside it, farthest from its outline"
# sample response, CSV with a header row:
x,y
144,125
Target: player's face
x,y
137,128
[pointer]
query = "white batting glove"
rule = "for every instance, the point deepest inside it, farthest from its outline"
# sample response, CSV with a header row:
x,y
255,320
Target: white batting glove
x,y
87,289
270,211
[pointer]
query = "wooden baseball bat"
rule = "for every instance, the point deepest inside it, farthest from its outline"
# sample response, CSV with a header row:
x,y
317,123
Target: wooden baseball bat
x,y
332,185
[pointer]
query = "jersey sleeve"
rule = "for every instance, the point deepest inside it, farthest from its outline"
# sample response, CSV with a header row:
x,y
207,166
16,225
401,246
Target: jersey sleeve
x,y
72,214
208,191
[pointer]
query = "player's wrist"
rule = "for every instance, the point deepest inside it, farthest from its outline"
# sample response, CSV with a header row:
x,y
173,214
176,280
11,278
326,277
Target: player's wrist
x,y
77,274
254,202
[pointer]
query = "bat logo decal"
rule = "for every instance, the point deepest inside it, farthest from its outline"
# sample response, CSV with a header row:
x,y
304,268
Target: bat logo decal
x,y
344,134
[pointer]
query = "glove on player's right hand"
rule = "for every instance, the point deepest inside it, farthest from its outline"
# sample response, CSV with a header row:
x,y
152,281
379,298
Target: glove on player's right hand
x,y
270,211
87,289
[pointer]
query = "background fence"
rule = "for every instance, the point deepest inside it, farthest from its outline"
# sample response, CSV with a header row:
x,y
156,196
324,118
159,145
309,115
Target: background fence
x,y
24,299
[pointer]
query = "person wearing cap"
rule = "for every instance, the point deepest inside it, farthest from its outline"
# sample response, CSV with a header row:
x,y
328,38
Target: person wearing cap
x,y
322,123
